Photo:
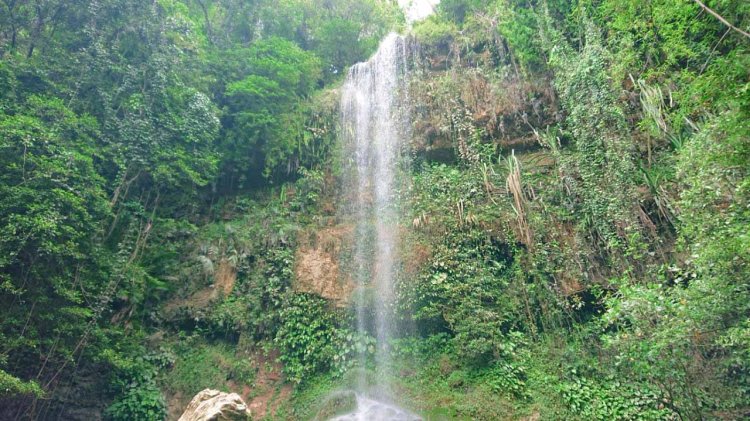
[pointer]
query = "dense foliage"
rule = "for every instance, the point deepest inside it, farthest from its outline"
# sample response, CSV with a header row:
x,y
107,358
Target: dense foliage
x,y
124,127
608,219
576,244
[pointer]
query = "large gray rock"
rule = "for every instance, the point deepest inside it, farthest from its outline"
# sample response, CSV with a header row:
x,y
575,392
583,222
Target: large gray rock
x,y
212,405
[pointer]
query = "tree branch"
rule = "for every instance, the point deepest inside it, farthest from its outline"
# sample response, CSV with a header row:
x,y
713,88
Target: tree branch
x,y
718,16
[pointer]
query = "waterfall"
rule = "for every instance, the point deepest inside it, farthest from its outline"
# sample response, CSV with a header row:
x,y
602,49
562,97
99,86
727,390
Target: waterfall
x,y
375,129
374,132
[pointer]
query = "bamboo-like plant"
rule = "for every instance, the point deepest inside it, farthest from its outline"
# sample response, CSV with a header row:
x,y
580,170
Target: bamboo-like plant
x,y
515,188
652,101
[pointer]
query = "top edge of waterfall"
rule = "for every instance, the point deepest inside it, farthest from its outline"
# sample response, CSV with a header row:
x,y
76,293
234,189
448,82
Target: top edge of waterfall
x,y
392,40
414,11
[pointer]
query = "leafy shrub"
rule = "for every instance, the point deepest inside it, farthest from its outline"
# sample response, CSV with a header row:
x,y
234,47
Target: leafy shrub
x,y
464,289
133,383
613,400
602,163
508,379
309,188
307,337
435,32
10,386
139,402
352,346
423,348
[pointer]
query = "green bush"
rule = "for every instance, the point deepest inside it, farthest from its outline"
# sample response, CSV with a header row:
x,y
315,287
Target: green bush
x,y
13,386
138,402
435,32
590,399
133,384
308,337
201,365
508,379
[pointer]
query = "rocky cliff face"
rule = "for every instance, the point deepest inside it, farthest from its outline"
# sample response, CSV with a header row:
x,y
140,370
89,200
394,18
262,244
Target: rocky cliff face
x,y
212,405
317,266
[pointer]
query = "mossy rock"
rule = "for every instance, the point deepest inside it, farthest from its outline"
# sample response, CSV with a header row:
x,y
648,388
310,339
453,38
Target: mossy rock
x,y
338,403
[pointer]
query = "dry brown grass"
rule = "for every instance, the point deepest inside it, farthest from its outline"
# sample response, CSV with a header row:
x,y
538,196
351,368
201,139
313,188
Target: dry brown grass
x,y
515,188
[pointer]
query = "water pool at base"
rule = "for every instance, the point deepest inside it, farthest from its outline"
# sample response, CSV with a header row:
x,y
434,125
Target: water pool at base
x,y
372,410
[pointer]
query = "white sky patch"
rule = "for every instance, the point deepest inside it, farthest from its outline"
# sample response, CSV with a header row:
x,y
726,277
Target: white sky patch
x,y
416,10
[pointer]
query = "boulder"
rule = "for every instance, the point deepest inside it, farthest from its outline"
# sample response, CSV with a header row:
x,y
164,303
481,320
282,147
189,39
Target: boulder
x,y
212,405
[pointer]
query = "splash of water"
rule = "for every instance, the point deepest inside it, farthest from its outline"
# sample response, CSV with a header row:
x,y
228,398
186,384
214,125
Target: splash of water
x,y
371,410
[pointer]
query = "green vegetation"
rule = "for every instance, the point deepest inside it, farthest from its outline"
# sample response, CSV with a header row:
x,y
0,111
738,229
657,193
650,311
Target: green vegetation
x,y
598,250
132,134
576,246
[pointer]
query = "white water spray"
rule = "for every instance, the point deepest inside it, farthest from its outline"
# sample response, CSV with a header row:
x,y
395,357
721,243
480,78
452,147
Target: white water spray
x,y
370,410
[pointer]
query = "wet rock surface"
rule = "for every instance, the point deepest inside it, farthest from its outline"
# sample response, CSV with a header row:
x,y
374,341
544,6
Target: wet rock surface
x,y
338,403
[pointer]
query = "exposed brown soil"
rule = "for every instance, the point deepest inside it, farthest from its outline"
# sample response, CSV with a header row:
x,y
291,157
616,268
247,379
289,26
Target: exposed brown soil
x,y
415,257
269,391
198,300
176,405
225,277
317,265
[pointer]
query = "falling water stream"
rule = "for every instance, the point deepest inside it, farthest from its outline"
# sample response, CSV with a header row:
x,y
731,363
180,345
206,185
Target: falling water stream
x,y
374,130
